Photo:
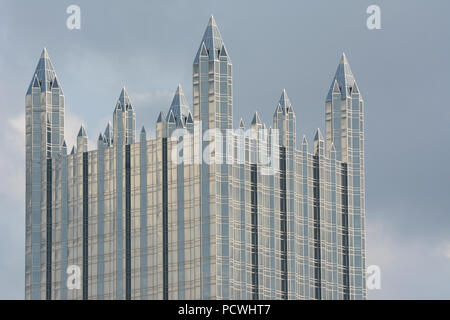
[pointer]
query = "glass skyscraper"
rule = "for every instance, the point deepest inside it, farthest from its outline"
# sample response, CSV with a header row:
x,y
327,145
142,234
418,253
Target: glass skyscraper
x,y
201,211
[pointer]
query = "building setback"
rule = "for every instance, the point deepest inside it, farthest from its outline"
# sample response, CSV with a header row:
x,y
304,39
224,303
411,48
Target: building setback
x,y
145,219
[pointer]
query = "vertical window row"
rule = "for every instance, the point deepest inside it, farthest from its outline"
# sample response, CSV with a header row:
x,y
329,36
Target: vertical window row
x,y
316,229
283,224
85,226
165,222
127,223
254,229
48,287
345,242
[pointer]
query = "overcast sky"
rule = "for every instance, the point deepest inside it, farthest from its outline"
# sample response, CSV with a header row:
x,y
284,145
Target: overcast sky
x,y
402,71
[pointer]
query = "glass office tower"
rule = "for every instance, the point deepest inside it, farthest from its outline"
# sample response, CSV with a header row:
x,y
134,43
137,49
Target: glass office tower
x,y
201,210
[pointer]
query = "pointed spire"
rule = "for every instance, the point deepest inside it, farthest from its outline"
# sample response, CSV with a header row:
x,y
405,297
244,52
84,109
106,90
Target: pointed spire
x,y
124,102
318,146
123,98
44,53
203,52
336,87
161,117
318,136
284,105
278,110
256,119
332,153
241,124
171,117
108,131
355,88
64,144
284,100
101,141
223,51
44,72
143,137
212,37
344,77
82,132
36,83
211,42
82,140
55,84
179,105
74,150
119,106
304,141
304,146
189,118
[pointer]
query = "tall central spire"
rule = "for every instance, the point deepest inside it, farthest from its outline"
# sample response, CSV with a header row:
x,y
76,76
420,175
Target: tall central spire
x,y
211,42
124,101
212,37
213,108
219,101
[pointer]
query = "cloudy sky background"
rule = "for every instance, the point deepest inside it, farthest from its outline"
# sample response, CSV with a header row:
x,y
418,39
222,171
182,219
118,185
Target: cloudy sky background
x,y
402,70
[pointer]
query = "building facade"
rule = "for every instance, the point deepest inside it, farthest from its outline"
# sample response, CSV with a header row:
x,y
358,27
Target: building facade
x,y
201,211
